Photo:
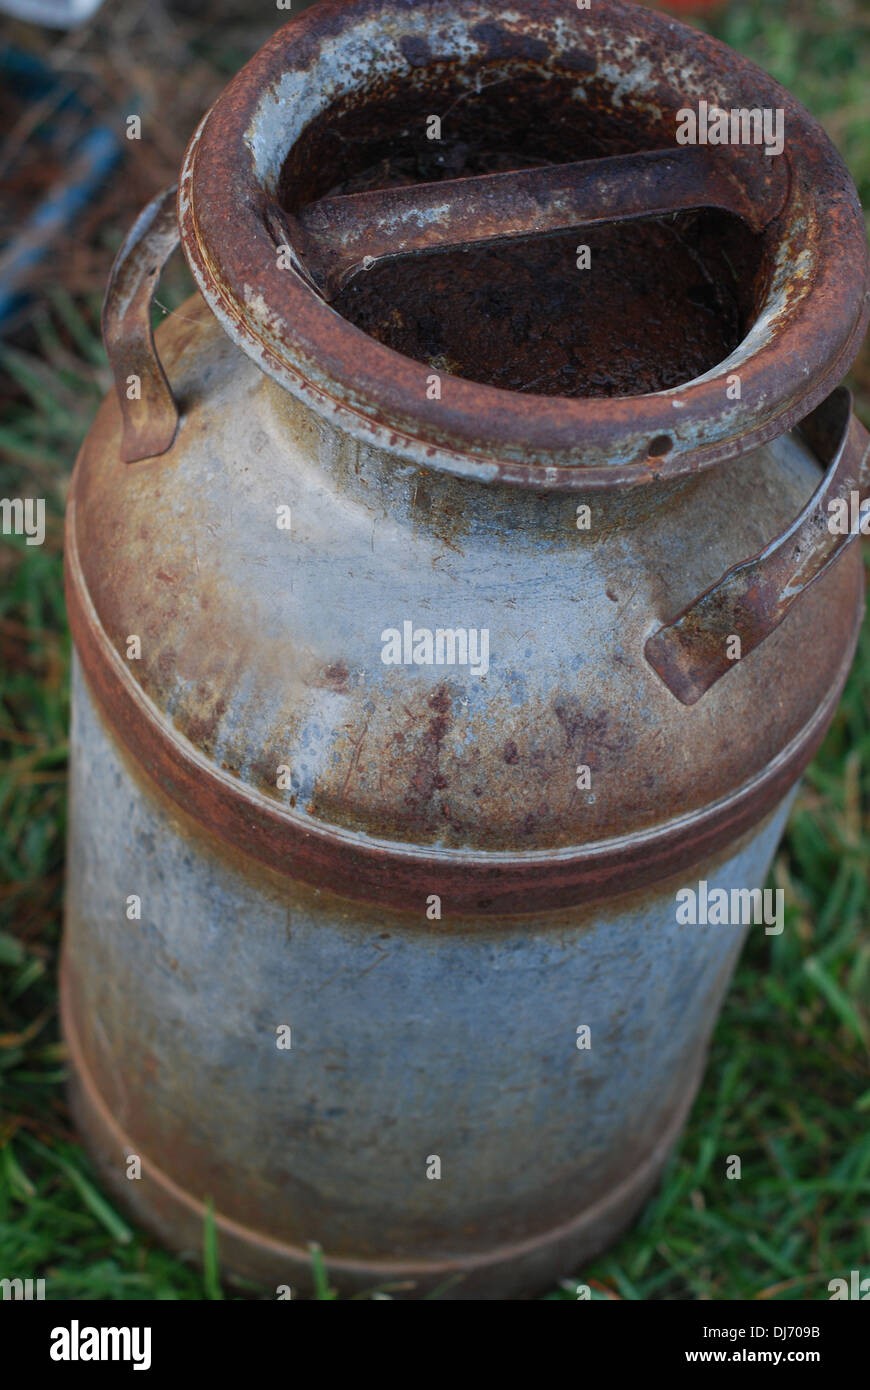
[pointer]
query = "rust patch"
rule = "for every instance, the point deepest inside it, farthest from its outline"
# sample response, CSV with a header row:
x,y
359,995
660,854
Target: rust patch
x,y
427,777
337,676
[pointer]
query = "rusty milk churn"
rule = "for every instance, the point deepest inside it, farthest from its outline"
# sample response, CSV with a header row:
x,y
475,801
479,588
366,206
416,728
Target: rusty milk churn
x,y
456,602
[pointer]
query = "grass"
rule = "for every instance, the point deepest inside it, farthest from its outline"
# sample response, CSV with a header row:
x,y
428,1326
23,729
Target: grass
x,y
788,1083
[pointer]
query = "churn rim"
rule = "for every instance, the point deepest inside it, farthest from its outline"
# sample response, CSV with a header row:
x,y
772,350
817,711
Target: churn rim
x,y
800,346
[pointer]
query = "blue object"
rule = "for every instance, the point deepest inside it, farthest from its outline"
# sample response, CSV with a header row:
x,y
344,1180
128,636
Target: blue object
x,y
91,160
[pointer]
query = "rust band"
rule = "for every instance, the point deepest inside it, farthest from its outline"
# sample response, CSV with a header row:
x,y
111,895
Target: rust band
x,y
177,1216
389,873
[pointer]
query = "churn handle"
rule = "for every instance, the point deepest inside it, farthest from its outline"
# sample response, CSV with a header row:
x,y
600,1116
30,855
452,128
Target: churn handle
x,y
690,653
149,413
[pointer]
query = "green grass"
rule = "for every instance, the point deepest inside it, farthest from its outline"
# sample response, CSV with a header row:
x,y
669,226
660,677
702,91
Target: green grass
x,y
788,1083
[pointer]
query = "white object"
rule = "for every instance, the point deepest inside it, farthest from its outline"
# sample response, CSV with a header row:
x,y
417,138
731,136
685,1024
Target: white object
x,y
54,14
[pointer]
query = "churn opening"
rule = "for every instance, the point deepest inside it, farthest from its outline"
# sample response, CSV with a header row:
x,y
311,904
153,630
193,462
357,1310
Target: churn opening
x,y
669,299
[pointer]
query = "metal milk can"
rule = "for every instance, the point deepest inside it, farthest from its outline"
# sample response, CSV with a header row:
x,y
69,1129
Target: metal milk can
x,y
456,599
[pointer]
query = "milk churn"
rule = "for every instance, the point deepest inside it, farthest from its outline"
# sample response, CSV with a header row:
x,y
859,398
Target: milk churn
x,y
459,586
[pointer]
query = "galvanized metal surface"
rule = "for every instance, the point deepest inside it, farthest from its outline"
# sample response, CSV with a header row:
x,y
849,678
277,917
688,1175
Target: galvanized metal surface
x,y
409,1039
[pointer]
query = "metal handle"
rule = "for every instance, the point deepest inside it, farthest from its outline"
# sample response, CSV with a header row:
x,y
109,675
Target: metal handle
x,y
751,599
149,413
337,237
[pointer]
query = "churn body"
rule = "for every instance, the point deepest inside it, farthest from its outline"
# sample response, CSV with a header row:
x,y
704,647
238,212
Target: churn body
x,y
401,718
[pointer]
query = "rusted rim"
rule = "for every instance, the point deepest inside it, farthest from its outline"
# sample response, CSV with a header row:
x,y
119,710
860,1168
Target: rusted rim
x,y
390,873
798,349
